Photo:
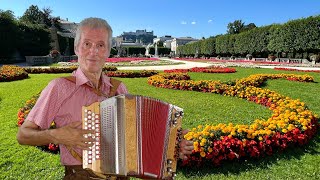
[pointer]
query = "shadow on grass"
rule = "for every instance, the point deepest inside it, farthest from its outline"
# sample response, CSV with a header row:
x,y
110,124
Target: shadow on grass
x,y
236,167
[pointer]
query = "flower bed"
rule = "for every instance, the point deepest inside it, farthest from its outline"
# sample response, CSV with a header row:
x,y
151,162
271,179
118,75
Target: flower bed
x,y
127,59
292,69
204,69
12,73
131,74
69,69
291,123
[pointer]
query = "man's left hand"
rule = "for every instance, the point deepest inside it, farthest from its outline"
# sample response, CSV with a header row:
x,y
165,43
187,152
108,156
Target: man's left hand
x,y
186,147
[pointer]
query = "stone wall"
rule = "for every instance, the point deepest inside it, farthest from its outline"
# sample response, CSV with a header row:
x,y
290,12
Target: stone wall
x,y
46,60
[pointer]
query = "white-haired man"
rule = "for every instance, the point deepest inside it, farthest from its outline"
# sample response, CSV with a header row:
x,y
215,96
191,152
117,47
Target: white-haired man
x,y
62,99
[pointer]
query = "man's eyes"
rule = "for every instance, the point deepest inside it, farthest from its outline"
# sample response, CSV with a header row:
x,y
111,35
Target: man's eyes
x,y
87,44
101,45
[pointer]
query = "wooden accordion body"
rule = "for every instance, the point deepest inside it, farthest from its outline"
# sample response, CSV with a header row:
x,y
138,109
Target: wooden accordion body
x,y
135,136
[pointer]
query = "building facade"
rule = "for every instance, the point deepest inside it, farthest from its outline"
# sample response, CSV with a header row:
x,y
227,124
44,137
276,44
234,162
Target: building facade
x,y
176,42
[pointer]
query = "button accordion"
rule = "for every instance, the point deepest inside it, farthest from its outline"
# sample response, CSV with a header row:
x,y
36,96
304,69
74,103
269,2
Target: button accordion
x,y
135,136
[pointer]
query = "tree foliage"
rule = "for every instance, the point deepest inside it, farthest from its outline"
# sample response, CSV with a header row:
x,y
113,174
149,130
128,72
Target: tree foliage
x,y
295,39
238,26
8,34
33,15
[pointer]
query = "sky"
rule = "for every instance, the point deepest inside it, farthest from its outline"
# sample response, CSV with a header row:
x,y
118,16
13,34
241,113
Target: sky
x,y
178,18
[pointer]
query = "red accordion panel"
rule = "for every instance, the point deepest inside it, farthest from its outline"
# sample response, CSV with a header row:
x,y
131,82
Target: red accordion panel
x,y
153,134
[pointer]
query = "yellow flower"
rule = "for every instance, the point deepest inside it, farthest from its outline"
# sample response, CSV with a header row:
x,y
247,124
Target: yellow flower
x,y
284,130
202,154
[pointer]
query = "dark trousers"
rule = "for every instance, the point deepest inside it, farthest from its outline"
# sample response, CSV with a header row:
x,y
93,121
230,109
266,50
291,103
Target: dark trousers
x,y
78,173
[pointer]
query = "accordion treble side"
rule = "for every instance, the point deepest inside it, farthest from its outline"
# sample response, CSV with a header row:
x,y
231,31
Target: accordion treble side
x,y
135,136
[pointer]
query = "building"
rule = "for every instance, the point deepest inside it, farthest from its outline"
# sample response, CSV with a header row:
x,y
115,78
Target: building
x,y
68,28
176,42
140,36
162,39
167,43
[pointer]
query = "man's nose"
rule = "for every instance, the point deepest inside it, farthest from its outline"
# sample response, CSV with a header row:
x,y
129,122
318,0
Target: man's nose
x,y
94,50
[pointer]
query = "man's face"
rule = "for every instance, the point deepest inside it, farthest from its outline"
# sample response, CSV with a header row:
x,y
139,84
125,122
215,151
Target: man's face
x,y
93,49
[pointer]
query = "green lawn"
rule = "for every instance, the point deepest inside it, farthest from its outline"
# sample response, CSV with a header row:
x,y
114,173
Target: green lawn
x,y
22,162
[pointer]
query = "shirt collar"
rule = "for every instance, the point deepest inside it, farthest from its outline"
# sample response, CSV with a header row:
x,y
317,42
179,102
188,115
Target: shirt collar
x,y
81,78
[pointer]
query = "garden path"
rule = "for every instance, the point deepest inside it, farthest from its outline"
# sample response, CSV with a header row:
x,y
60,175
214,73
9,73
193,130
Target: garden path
x,y
186,65
190,64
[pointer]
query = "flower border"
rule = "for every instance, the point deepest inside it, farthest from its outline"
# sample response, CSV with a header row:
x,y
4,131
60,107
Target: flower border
x,y
12,73
204,70
291,123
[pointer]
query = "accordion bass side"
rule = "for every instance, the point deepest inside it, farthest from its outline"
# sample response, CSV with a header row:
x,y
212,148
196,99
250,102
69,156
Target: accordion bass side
x,y
135,136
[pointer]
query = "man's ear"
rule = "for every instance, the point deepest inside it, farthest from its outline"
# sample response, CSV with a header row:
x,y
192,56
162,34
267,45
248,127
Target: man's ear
x,y
76,50
108,53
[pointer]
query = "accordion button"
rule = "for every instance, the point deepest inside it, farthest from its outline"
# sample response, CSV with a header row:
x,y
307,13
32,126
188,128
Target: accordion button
x,y
176,114
181,113
169,169
169,161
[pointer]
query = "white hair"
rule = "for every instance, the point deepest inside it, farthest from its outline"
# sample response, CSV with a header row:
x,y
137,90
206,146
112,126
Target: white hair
x,y
94,23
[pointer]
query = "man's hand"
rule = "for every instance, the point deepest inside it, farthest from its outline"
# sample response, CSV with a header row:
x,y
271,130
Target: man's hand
x,y
71,135
186,147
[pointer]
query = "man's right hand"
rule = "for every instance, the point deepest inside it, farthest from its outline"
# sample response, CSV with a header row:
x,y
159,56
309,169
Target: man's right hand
x,y
72,135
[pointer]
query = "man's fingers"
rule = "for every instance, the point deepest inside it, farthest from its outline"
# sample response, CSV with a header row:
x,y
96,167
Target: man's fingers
x,y
185,131
85,131
75,124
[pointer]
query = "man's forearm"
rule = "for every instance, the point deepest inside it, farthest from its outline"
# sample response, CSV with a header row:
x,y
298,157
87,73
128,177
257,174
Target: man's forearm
x,y
35,137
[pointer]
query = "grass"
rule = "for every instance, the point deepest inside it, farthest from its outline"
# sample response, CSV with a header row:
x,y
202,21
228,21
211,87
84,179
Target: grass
x,y
23,162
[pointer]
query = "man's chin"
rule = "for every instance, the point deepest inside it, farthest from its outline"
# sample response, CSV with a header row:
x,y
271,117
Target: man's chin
x,y
93,69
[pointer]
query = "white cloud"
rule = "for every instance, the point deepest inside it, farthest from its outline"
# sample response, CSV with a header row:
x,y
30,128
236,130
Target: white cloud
x,y
183,22
210,21
193,22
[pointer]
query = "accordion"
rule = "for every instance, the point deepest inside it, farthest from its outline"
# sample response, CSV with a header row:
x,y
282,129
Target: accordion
x,y
135,136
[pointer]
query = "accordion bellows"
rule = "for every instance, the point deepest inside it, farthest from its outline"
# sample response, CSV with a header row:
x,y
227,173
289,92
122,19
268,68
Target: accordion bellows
x,y
135,136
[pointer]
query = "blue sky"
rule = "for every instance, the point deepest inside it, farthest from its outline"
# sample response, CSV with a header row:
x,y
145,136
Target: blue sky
x,y
179,18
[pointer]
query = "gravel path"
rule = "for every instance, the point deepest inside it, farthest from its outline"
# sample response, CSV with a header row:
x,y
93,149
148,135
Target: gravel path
x,y
190,64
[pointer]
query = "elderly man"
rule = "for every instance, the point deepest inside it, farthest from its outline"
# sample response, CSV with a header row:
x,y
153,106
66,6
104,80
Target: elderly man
x,y
61,101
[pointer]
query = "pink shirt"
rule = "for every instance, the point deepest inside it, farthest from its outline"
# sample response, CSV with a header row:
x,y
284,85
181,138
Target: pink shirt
x,y
61,101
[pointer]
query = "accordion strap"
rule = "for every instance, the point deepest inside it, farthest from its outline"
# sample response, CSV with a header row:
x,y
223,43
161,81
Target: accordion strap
x,y
113,90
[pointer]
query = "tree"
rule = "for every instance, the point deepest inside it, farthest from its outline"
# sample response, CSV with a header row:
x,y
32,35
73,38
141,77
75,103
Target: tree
x,y
34,15
238,26
235,27
248,27
8,34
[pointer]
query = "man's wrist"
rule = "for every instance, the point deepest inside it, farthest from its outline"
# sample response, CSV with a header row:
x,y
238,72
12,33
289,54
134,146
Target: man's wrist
x,y
52,136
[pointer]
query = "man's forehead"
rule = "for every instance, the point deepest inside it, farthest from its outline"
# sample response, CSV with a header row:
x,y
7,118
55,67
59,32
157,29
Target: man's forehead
x,y
94,33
